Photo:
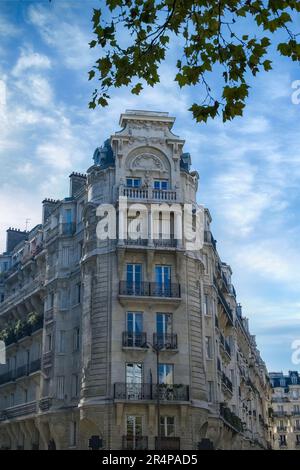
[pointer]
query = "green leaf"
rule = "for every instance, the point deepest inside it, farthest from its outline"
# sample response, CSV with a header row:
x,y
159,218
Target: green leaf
x,y
137,89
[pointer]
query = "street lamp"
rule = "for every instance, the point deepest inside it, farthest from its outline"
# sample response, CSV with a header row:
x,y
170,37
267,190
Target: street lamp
x,y
157,347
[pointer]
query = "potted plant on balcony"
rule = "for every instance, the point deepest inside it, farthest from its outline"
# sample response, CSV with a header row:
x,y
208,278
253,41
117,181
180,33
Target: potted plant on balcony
x,y
34,321
20,329
8,336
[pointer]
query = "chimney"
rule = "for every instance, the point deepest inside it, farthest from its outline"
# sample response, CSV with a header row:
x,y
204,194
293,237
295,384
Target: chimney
x,y
48,206
14,237
77,181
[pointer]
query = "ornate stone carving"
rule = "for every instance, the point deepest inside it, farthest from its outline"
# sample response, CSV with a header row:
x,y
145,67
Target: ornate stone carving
x,y
147,161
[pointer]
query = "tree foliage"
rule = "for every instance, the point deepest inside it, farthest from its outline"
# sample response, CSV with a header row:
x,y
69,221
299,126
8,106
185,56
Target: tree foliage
x,y
134,36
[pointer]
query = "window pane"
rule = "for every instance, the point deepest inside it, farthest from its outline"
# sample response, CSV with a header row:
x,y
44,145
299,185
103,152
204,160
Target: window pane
x,y
166,373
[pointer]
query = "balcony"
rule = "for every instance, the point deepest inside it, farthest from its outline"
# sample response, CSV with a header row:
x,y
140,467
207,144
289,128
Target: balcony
x,y
296,412
134,340
282,444
167,443
167,241
147,391
225,345
165,340
225,306
21,371
149,193
7,377
296,428
135,443
19,410
281,428
231,419
45,403
279,414
149,289
227,383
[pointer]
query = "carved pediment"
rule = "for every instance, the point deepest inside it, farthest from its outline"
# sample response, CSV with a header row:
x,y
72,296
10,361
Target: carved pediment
x,y
147,161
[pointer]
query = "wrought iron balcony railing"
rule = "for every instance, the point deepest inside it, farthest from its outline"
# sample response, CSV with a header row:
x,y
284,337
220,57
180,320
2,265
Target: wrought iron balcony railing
x,y
225,344
19,410
135,442
7,377
227,382
165,340
149,289
21,371
167,443
147,391
134,340
282,429
227,309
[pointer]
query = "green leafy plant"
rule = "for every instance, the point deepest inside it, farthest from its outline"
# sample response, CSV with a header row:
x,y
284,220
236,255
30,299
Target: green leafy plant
x,y
219,41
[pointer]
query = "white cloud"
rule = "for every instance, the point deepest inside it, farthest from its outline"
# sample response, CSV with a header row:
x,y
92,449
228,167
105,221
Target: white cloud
x,y
68,38
29,59
37,90
271,260
8,29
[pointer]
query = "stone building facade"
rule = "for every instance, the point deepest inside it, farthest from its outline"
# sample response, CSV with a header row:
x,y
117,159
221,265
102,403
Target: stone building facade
x,y
286,410
126,343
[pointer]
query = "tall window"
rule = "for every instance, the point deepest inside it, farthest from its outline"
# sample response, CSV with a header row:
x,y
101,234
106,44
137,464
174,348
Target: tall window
x,y
164,328
49,342
206,305
166,373
62,341
76,338
134,278
64,299
208,347
210,391
51,300
78,293
60,387
163,279
73,433
75,385
134,431
68,216
134,329
167,426
134,379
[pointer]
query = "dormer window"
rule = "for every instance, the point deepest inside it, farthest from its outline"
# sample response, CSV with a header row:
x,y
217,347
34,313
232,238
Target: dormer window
x,y
161,184
282,383
294,379
133,182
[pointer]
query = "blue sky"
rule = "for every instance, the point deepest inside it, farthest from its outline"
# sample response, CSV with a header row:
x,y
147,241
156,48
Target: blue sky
x,y
249,169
